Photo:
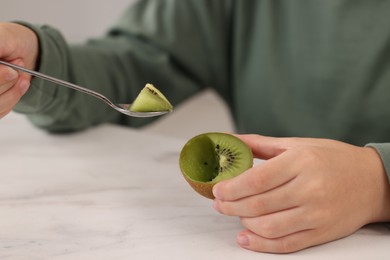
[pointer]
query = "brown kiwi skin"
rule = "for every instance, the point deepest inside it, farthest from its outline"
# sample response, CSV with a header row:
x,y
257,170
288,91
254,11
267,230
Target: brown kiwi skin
x,y
206,188
203,188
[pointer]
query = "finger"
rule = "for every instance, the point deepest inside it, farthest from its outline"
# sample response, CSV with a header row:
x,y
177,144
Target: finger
x,y
9,99
269,202
287,244
261,178
8,78
12,96
4,114
281,223
7,86
264,147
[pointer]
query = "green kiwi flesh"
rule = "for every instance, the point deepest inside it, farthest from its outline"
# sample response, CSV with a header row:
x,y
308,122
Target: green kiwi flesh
x,y
209,158
150,99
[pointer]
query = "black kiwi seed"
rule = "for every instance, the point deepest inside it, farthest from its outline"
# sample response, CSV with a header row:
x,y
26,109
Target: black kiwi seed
x,y
152,91
230,157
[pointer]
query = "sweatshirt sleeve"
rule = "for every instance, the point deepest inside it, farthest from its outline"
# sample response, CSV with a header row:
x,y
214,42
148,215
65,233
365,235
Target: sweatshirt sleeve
x,y
177,45
383,150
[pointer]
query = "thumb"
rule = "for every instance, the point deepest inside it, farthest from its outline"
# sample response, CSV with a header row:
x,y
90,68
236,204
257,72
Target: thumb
x,y
265,147
24,79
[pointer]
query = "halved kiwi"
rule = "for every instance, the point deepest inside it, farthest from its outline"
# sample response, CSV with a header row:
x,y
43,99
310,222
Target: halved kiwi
x,y
211,157
150,99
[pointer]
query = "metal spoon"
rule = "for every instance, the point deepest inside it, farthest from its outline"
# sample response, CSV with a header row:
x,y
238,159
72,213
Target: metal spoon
x,y
123,108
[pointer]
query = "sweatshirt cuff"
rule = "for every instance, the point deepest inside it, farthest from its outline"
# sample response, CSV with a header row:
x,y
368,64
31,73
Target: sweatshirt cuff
x,y
51,62
383,150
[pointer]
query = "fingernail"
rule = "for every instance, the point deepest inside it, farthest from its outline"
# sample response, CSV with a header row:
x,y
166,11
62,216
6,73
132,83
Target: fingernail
x,y
24,86
11,75
243,240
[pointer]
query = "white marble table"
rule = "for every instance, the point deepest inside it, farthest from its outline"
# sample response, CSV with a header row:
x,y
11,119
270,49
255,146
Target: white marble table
x,y
115,193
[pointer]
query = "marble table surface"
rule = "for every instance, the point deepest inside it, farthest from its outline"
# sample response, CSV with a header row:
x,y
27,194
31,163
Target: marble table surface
x,y
117,193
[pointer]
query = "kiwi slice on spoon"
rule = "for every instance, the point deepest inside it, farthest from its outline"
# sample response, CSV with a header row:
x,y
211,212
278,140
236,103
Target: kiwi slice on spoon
x,y
150,99
211,157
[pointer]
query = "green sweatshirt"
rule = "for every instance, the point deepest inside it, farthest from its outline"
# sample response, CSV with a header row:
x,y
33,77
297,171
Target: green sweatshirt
x,y
309,68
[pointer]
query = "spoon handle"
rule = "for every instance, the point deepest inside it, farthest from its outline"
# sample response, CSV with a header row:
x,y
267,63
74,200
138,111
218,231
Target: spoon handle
x,y
59,81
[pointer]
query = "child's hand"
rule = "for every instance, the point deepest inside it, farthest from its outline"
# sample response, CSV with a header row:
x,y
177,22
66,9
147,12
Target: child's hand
x,y
307,192
18,45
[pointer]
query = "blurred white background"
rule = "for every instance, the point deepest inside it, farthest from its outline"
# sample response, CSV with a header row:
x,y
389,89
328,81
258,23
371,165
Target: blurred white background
x,y
82,19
